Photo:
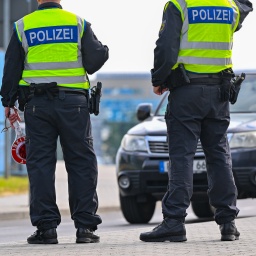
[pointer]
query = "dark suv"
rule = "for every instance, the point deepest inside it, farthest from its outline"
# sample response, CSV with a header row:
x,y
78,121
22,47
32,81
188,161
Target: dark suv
x,y
142,158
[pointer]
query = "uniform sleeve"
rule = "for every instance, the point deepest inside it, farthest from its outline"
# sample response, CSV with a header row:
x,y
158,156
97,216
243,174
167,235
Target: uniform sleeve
x,y
13,68
94,53
244,7
167,45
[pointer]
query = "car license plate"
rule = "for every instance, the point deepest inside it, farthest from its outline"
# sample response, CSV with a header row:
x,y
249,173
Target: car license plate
x,y
163,166
199,166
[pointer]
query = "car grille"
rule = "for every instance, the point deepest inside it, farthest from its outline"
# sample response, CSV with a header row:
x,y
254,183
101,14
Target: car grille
x,y
158,146
162,147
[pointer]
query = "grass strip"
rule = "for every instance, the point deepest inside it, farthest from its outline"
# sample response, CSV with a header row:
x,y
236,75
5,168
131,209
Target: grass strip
x,y
13,185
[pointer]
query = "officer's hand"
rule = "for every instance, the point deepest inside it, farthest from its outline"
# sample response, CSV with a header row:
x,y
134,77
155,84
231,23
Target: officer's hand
x,y
12,117
159,90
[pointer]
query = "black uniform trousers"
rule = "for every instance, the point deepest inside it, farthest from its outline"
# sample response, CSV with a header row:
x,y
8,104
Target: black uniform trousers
x,y
195,112
65,116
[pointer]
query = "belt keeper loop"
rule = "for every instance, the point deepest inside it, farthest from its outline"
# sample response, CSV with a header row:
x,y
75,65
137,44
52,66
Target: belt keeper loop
x,y
32,89
61,94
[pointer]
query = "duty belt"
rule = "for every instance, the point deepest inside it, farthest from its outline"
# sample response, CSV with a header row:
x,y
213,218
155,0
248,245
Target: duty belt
x,y
194,75
51,89
207,79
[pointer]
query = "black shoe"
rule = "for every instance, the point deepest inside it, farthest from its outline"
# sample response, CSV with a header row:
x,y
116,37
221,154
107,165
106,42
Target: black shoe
x,y
84,235
229,231
169,230
43,237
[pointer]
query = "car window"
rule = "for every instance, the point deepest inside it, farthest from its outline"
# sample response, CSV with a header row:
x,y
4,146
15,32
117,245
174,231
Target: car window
x,y
246,101
160,111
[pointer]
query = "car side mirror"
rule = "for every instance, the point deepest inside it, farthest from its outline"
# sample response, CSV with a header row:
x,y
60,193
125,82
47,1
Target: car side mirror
x,y
144,111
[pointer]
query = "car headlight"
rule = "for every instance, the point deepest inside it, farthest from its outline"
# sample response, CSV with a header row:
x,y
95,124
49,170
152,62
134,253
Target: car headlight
x,y
134,143
243,140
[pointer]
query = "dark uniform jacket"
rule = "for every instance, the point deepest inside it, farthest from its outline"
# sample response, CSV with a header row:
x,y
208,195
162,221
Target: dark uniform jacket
x,y
168,43
94,55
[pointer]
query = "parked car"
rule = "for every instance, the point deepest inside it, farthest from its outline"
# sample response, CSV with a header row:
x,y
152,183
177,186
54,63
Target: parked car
x,y
142,158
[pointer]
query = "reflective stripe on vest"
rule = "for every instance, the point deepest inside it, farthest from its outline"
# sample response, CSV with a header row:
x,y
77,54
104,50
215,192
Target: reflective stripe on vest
x,y
207,34
51,39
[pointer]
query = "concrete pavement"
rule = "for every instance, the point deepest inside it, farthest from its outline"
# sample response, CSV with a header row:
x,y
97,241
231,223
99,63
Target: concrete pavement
x,y
203,237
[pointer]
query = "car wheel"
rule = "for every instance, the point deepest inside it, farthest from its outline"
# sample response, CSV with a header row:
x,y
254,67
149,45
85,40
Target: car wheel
x,y
137,212
203,209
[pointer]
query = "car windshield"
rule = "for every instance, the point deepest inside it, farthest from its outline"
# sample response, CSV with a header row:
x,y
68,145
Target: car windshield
x,y
246,102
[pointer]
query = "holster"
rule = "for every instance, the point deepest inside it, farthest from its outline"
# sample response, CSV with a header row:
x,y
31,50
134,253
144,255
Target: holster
x,y
235,88
177,78
94,101
226,78
23,96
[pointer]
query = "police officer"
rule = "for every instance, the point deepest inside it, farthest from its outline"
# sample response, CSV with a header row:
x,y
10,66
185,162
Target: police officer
x,y
192,59
49,55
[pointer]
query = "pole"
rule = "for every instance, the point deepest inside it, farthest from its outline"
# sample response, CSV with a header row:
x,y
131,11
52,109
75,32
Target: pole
x,y
7,155
6,37
6,23
29,6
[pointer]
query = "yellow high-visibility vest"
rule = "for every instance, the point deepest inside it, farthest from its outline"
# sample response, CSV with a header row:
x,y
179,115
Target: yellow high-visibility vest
x,y
207,34
51,39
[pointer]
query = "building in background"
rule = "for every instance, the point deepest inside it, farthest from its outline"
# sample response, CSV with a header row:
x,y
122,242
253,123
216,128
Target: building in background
x,y
121,94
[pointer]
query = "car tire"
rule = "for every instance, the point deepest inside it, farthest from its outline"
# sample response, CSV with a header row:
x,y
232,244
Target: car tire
x,y
202,209
137,212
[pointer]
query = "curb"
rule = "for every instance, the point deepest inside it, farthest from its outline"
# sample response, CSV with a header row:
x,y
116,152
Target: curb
x,y
19,215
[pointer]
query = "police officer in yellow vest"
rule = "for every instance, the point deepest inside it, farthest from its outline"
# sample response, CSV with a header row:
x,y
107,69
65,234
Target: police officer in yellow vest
x,y
192,60
48,58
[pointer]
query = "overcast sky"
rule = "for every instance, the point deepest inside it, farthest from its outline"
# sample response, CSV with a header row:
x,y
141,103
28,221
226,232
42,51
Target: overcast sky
x,y
130,30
